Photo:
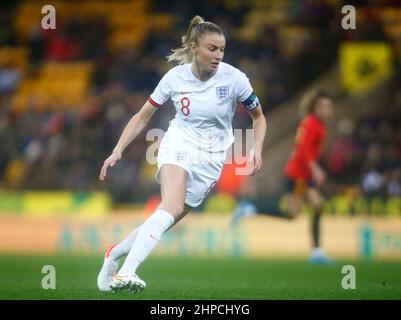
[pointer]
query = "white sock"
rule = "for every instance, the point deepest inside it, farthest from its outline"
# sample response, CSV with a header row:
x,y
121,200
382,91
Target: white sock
x,y
147,239
123,248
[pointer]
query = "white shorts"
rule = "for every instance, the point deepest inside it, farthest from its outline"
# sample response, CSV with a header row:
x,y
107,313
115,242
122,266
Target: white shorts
x,y
204,168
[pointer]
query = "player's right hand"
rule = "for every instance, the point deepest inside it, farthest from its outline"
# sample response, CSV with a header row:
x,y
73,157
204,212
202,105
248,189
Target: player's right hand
x,y
109,162
319,176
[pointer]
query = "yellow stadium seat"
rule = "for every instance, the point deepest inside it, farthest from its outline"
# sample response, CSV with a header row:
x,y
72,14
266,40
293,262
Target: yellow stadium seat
x,y
16,56
162,22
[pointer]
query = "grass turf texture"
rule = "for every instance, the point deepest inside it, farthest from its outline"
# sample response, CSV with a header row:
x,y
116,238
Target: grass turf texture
x,y
187,278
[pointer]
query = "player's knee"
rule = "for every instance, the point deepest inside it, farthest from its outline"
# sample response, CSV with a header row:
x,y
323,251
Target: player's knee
x,y
291,215
318,204
293,211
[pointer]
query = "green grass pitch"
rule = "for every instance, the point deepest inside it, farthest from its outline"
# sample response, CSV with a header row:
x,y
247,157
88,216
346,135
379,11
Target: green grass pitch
x,y
187,278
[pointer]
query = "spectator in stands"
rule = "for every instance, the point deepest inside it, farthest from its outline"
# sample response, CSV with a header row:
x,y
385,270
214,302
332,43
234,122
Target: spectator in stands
x,y
10,77
344,156
372,181
394,184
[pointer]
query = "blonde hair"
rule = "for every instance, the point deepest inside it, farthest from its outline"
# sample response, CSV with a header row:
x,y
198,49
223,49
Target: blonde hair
x,y
196,30
308,102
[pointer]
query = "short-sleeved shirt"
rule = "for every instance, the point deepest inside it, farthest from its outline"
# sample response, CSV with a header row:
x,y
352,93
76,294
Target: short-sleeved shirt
x,y
308,144
205,109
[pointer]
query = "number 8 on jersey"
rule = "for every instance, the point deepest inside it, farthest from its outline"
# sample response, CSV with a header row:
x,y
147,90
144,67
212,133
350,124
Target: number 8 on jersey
x,y
185,103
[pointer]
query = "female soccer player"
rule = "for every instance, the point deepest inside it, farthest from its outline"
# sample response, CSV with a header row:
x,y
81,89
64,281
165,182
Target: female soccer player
x,y
205,92
303,174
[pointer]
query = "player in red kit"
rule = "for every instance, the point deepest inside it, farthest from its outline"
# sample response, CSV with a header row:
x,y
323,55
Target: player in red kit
x,y
303,174
302,165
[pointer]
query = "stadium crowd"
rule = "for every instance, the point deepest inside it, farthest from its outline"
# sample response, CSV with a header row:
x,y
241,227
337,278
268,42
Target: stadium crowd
x,y
49,145
368,153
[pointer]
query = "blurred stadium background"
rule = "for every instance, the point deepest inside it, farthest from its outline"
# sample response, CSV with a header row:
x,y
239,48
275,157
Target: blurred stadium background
x,y
66,94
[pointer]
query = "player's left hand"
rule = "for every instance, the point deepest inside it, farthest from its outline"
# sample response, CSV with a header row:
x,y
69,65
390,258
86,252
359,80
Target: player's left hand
x,y
255,157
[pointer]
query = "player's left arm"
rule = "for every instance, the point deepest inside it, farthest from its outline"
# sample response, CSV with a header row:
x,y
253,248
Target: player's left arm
x,y
250,101
259,127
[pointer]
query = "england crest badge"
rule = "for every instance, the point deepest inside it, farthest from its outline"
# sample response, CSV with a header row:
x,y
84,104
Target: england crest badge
x,y
222,92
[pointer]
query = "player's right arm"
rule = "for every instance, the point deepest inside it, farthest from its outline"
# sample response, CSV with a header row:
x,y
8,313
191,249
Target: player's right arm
x,y
133,128
318,174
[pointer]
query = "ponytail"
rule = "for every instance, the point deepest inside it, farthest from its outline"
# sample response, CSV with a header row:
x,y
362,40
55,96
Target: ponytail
x,y
197,29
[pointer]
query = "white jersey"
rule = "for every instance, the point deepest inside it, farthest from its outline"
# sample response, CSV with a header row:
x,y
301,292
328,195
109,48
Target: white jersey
x,y
205,109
